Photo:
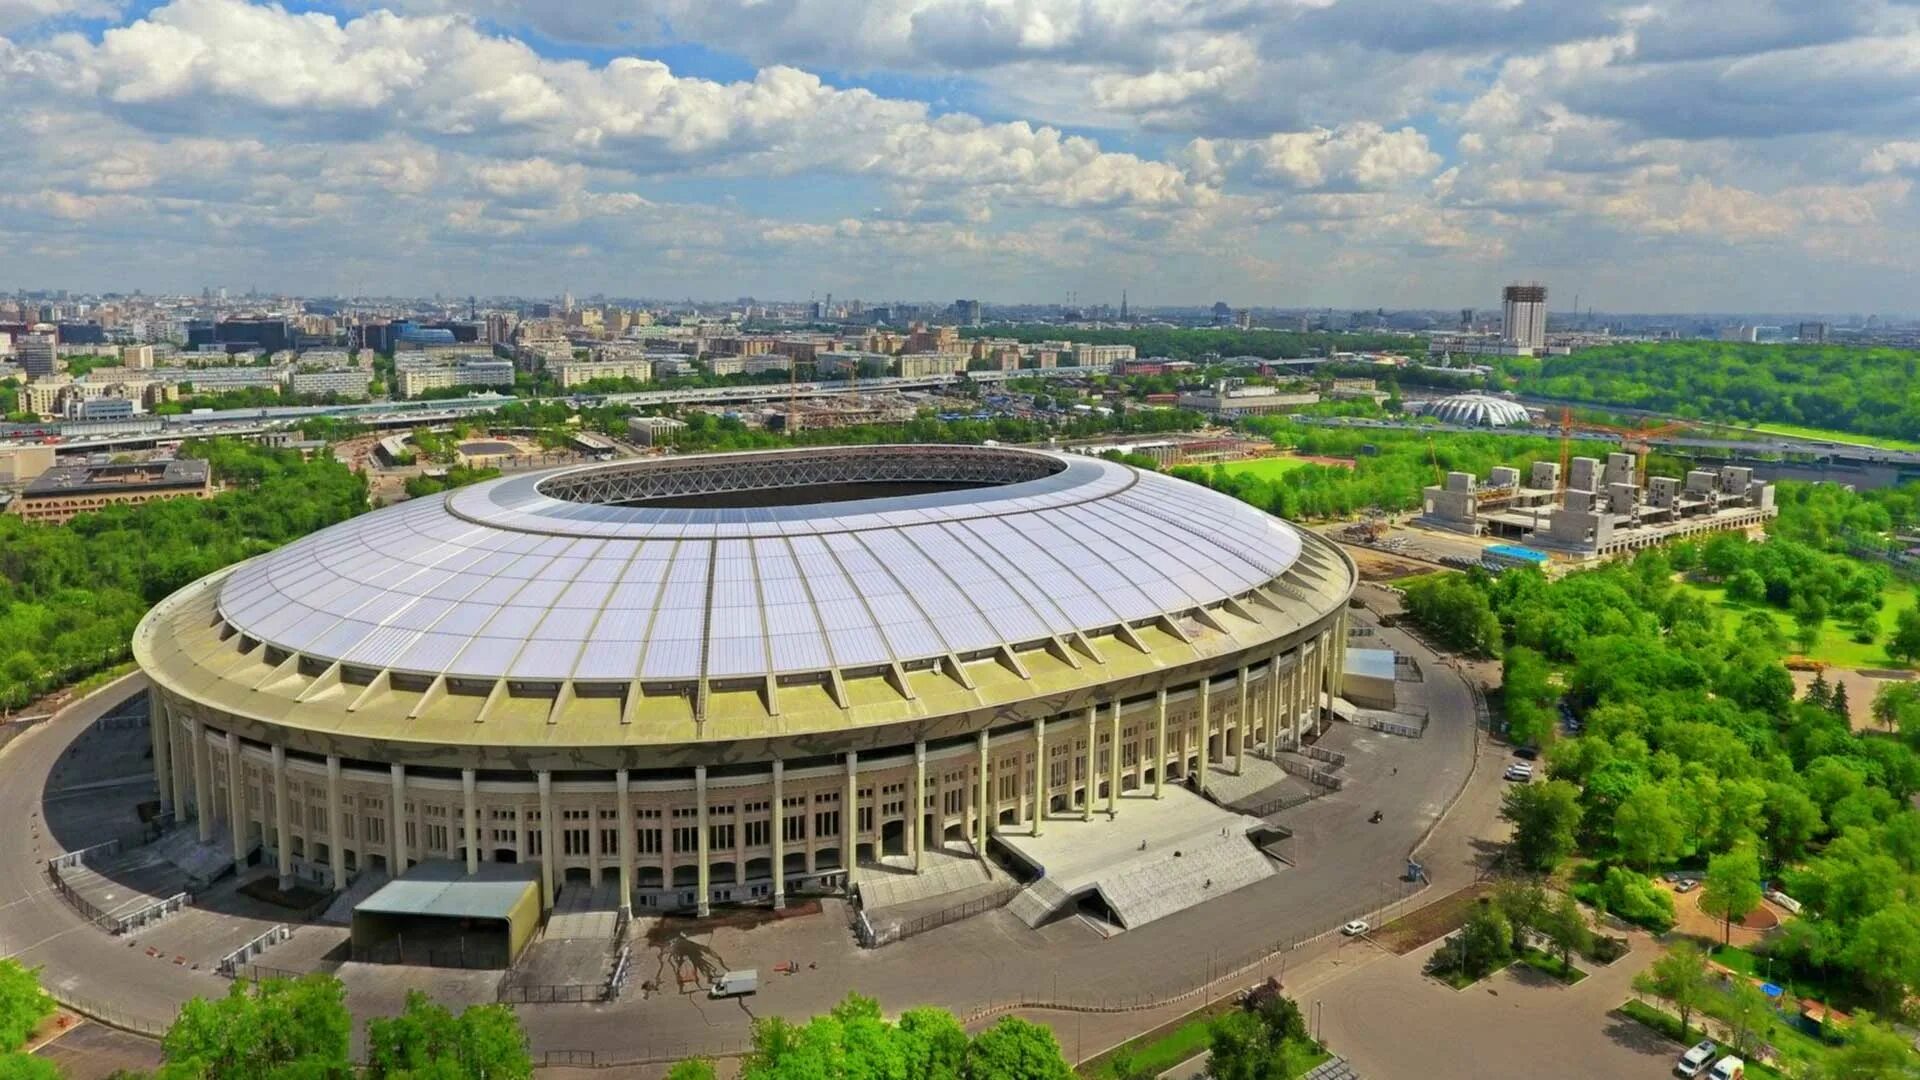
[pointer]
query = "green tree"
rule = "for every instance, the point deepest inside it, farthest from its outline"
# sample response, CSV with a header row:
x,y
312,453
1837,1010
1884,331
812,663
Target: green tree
x,y
1680,975
1872,1051
1647,829
1267,1042
691,1069
1896,706
1886,951
23,1004
23,1066
1732,887
1748,1014
1545,819
1904,644
1015,1049
280,1027
426,1039
1566,926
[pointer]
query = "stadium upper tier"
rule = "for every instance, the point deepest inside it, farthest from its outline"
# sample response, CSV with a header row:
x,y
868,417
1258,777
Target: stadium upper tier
x,y
630,572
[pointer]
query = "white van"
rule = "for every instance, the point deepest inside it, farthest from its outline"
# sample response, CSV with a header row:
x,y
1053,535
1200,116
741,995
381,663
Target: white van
x,y
1728,1068
736,983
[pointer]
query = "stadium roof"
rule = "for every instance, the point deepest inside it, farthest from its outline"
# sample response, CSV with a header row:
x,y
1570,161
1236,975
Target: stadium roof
x,y
1478,410
751,566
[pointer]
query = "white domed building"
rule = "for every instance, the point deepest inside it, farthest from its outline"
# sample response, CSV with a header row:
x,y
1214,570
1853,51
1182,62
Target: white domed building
x,y
1478,410
712,679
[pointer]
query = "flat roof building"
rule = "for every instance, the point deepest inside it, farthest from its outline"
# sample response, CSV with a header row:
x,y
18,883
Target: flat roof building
x,y
64,492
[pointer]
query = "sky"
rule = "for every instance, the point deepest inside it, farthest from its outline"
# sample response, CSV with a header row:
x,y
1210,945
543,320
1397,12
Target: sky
x,y
1644,155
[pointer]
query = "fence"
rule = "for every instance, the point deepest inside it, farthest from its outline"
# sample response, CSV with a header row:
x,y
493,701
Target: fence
x,y
83,856
153,912
1394,727
79,903
251,949
1312,774
617,978
1320,753
550,994
873,937
261,973
112,1015
1284,802
397,951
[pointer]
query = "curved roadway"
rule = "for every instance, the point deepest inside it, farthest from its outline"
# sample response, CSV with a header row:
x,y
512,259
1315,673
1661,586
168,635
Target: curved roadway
x,y
1346,867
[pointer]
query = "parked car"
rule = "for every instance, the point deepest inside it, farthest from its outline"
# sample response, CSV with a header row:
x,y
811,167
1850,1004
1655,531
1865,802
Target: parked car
x,y
1526,753
1355,928
1520,772
1728,1068
1697,1057
1685,885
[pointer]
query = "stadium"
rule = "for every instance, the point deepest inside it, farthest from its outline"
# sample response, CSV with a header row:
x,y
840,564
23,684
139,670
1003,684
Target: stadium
x,y
720,679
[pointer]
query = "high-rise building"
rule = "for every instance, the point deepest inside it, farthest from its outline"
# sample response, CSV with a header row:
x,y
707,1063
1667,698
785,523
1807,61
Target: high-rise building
x,y
1524,314
37,354
1812,331
967,312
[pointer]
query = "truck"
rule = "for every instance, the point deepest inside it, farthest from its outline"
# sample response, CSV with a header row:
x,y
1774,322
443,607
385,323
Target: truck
x,y
735,983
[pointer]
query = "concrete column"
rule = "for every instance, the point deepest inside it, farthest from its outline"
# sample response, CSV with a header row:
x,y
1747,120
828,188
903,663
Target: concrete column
x,y
777,830
917,806
397,823
1294,678
470,818
282,831
202,777
1159,742
336,852
1243,726
1275,709
1039,774
1113,763
1206,730
522,847
622,790
236,792
984,814
545,779
850,817
702,905
1093,764
180,751
160,733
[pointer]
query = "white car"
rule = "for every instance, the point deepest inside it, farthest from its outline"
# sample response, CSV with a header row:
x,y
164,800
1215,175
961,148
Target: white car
x,y
1697,1057
1355,928
1520,771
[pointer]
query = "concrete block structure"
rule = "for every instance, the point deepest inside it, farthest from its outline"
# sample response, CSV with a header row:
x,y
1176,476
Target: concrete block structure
x,y
723,679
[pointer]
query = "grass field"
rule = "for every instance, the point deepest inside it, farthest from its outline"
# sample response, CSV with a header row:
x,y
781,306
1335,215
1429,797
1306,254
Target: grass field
x,y
1823,435
1270,468
1836,646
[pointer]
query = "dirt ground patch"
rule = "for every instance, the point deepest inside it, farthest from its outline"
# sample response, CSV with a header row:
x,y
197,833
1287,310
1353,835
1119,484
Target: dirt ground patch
x,y
1861,688
1749,930
1430,923
1379,566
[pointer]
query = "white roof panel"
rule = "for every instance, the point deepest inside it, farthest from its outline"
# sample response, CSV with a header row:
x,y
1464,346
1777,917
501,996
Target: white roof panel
x,y
503,579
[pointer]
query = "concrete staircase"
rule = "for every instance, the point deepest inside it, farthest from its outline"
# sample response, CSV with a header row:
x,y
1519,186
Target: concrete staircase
x,y
201,863
1160,887
340,911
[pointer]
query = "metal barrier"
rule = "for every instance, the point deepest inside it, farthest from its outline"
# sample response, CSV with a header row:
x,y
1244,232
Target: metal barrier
x,y
83,856
617,978
1285,802
251,949
552,994
153,912
1312,774
469,957
1320,753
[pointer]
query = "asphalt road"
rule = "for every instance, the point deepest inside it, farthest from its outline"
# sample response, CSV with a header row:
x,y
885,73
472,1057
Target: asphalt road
x,y
1346,867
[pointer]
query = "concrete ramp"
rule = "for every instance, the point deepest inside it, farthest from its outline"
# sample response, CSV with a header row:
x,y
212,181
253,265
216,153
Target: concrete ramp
x,y
1153,858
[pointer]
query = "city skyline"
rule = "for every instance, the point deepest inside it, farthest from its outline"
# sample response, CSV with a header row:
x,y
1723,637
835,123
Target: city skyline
x,y
1337,156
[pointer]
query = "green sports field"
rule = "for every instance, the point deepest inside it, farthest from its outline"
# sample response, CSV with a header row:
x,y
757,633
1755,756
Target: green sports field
x,y
1272,468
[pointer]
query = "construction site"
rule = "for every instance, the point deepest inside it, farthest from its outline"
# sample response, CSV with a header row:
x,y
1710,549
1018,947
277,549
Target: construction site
x,y
1593,509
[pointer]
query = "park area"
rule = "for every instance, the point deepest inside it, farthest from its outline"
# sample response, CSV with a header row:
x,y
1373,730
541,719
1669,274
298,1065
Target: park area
x,y
1836,645
1273,468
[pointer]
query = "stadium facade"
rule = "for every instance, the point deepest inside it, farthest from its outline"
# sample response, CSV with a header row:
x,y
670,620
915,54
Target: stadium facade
x,y
712,678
